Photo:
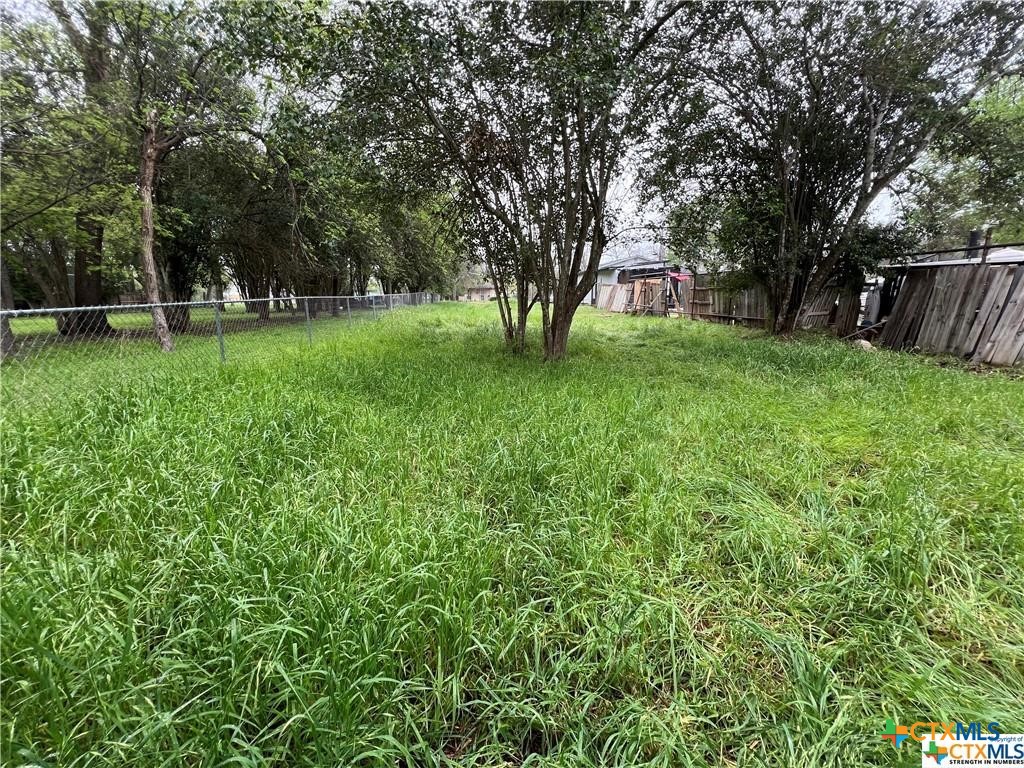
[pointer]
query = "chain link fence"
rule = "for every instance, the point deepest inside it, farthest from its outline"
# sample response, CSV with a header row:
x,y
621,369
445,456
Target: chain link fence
x,y
48,354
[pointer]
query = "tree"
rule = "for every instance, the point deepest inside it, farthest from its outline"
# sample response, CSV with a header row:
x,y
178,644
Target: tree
x,y
94,47
806,113
529,108
974,177
182,87
63,173
6,302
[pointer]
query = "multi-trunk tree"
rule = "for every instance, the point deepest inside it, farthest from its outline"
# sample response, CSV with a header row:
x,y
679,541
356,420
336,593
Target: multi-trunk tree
x,y
529,109
806,113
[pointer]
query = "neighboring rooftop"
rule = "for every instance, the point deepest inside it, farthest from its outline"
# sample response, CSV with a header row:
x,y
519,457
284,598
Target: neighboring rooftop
x,y
1000,256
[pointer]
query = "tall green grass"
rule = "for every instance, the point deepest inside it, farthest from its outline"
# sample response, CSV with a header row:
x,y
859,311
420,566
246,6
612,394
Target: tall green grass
x,y
685,545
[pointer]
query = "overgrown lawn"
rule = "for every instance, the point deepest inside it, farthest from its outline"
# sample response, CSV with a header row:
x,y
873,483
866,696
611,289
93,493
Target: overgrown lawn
x,y
686,545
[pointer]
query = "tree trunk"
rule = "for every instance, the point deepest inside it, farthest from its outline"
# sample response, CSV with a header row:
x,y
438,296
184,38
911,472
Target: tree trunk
x,y
788,312
6,302
216,289
149,159
88,281
262,309
94,48
178,318
556,339
522,311
523,307
785,321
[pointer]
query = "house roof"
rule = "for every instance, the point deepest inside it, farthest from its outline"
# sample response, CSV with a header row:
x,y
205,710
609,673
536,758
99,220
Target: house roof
x,y
1002,256
632,263
638,254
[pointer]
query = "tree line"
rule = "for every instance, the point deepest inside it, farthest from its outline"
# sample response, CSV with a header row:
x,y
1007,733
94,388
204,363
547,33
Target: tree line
x,y
314,147
165,149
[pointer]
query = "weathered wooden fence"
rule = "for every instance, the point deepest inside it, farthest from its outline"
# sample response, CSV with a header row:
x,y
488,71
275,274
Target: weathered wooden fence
x,y
707,301
969,310
749,306
701,298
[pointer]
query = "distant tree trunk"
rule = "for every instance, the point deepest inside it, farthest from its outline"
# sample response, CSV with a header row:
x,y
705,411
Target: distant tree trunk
x,y
6,302
88,280
177,288
149,158
50,273
93,45
216,288
178,318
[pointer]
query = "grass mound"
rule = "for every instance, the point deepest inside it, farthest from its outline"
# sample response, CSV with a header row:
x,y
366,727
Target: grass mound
x,y
685,545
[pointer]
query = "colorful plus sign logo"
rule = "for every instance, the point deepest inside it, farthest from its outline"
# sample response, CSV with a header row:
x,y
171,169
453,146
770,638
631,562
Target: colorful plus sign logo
x,y
939,753
894,733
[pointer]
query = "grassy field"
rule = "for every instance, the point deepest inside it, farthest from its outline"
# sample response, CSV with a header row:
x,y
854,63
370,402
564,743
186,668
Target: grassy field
x,y
686,545
49,369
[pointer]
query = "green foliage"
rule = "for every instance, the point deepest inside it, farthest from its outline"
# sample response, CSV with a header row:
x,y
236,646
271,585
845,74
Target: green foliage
x,y
869,246
63,152
975,177
253,183
791,119
405,546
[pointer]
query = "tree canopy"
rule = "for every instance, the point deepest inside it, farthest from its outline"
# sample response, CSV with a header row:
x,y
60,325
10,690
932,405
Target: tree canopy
x,y
170,149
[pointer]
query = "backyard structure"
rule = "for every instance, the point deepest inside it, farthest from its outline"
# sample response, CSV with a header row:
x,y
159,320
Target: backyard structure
x,y
668,290
968,307
641,282
480,292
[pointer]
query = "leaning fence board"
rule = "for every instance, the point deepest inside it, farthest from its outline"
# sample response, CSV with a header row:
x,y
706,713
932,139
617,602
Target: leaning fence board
x,y
891,335
1013,351
974,295
902,328
959,288
1000,348
935,322
973,310
618,300
992,283
992,310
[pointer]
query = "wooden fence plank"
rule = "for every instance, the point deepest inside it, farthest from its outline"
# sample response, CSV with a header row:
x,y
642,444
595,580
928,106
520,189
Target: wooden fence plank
x,y
974,294
1003,346
991,310
991,288
899,318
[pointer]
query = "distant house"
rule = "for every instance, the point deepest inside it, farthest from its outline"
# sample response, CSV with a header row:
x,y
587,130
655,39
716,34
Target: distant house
x,y
480,292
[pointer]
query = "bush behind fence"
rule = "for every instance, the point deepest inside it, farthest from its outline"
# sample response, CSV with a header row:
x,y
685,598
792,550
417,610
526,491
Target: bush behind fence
x,y
50,353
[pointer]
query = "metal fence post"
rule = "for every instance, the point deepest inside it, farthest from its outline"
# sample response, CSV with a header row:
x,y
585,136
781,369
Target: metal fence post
x,y
348,309
309,325
219,329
